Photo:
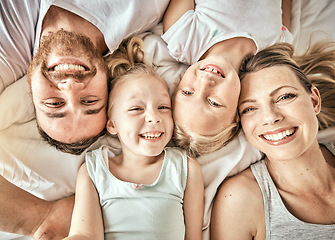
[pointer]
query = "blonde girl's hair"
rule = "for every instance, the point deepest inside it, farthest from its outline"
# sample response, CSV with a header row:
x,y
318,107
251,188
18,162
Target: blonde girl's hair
x,y
129,53
197,145
125,62
315,67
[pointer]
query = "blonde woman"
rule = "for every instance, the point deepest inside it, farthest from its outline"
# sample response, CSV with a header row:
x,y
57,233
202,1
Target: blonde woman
x,y
290,194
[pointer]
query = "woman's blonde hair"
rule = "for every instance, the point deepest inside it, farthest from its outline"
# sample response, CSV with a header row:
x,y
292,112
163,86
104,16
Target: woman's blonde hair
x,y
315,67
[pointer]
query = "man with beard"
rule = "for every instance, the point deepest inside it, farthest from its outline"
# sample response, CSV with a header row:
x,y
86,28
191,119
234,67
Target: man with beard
x,y
68,82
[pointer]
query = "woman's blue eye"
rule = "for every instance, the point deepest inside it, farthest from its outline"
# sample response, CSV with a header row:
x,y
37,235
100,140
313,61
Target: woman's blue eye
x,y
287,96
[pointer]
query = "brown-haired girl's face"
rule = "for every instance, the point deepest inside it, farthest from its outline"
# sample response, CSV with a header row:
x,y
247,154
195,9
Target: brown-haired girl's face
x,y
278,116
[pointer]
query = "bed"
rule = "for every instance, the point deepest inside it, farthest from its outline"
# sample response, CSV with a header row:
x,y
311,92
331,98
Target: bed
x,y
30,163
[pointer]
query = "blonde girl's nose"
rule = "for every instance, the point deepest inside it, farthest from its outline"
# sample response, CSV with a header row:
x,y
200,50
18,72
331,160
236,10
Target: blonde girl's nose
x,y
153,117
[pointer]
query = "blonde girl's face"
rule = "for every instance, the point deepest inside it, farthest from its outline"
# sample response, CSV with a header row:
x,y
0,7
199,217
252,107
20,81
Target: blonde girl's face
x,y
206,99
278,115
141,114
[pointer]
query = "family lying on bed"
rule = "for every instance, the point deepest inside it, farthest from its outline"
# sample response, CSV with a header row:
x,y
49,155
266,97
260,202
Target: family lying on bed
x,y
239,76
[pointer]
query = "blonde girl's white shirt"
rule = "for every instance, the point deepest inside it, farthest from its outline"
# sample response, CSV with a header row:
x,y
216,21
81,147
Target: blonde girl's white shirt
x,y
140,211
213,21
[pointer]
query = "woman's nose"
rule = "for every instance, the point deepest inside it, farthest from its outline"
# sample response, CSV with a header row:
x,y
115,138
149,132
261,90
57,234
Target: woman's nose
x,y
271,115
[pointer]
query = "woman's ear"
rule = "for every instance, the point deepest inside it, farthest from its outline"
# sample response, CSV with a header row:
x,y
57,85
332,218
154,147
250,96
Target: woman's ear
x,y
316,99
111,127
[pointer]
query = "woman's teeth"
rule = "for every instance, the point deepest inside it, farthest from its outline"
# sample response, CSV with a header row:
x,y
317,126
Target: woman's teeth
x,y
279,136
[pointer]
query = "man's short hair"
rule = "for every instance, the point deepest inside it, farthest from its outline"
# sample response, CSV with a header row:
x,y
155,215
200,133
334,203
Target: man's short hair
x,y
75,148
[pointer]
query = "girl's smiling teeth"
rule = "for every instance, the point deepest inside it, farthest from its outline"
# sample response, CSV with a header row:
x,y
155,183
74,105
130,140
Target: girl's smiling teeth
x,y
69,66
151,135
212,70
279,136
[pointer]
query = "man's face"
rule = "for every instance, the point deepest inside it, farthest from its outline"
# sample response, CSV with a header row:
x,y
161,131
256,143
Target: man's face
x,y
68,80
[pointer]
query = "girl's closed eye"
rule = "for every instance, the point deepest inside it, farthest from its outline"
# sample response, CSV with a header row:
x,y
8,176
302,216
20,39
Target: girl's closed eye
x,y
164,107
134,109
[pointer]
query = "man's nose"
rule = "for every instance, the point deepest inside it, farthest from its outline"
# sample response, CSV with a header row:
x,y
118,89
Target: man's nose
x,y
70,84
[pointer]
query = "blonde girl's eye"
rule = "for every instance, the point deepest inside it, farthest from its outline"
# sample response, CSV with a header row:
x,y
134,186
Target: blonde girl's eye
x,y
164,107
134,109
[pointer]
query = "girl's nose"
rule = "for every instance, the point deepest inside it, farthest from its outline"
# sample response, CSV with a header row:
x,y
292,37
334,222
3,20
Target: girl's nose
x,y
207,80
153,117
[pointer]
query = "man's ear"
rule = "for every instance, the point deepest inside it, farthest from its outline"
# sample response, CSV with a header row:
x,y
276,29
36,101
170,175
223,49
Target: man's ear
x,y
316,99
111,127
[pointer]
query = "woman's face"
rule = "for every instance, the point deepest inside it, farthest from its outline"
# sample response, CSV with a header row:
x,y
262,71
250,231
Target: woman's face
x,y
206,99
278,116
